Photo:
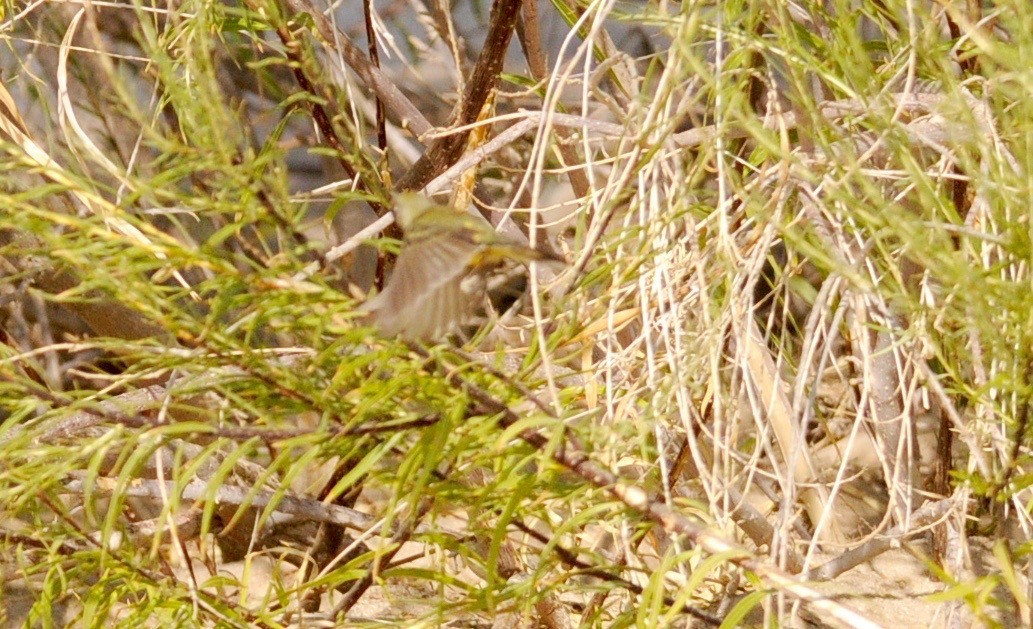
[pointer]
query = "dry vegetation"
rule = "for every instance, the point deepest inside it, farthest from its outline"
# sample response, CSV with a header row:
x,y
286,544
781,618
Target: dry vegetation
x,y
784,377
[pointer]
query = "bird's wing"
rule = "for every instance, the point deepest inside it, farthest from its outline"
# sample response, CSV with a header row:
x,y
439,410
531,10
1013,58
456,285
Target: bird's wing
x,y
424,298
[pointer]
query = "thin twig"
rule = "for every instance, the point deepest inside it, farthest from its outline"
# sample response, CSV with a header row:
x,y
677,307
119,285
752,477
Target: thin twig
x,y
406,115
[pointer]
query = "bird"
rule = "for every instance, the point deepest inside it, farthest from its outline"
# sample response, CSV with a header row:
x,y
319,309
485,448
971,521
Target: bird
x,y
438,276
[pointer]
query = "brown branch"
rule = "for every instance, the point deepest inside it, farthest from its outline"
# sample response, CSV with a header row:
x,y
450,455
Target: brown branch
x,y
227,495
322,119
577,461
445,151
530,37
374,59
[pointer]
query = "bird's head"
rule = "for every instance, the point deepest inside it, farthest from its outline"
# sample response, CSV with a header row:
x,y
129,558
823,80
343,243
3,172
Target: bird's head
x,y
409,206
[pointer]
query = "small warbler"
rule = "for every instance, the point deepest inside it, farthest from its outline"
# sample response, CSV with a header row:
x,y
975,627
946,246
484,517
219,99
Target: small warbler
x,y
437,277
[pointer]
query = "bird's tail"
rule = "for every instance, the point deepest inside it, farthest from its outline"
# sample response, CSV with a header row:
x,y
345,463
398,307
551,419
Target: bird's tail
x,y
495,254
